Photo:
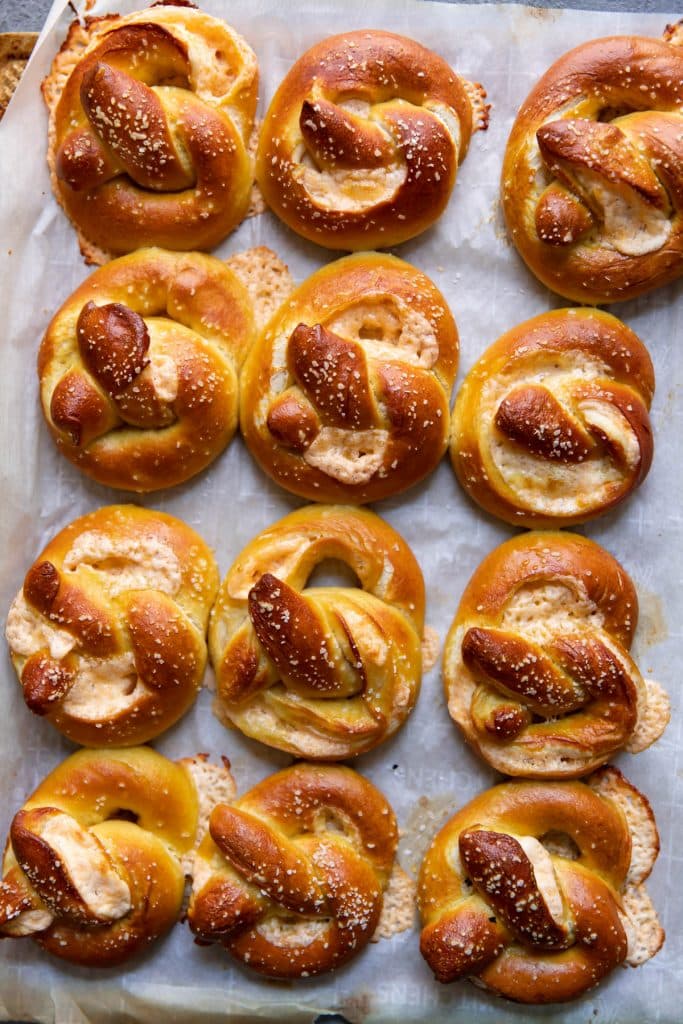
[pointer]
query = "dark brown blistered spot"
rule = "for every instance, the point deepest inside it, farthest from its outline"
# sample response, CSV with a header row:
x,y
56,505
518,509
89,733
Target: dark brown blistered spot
x,y
113,341
41,585
45,682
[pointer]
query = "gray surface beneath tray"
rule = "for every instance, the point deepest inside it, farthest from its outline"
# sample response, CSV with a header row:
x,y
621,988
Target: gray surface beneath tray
x,y
29,15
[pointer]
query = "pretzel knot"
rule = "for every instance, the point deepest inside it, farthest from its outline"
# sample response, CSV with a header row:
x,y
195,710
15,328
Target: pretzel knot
x,y
290,878
92,870
534,890
362,141
139,368
536,665
108,633
150,119
325,672
592,183
345,396
551,425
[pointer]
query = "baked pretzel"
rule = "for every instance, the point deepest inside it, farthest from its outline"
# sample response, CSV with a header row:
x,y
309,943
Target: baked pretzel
x,y
150,120
92,870
592,182
362,141
325,672
551,425
345,396
534,889
107,634
290,877
139,368
536,665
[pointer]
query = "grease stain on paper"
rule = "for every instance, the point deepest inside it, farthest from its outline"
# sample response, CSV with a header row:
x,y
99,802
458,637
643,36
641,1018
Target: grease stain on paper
x,y
652,624
428,815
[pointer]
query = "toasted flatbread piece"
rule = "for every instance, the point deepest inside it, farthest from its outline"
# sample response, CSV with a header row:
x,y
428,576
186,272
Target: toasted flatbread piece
x,y
15,50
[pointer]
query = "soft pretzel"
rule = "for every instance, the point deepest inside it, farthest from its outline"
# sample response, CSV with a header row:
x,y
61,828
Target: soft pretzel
x,y
362,141
536,665
345,396
534,889
139,368
150,119
92,869
551,425
290,877
107,634
592,182
325,672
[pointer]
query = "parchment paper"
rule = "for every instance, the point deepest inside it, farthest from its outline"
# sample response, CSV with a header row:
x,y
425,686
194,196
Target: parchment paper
x,y
426,771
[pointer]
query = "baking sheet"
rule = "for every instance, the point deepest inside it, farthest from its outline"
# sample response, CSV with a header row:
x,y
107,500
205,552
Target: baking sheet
x,y
426,770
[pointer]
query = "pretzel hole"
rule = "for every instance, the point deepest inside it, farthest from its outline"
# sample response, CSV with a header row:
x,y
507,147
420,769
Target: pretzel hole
x,y
128,684
369,332
330,820
375,319
332,572
123,814
292,930
539,719
174,82
303,157
548,605
354,104
561,844
611,113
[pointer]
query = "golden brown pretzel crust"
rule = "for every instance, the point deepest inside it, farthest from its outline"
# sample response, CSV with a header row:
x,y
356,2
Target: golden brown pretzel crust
x,y
92,869
172,168
551,425
139,368
108,633
536,666
290,878
345,396
592,185
529,922
326,672
361,143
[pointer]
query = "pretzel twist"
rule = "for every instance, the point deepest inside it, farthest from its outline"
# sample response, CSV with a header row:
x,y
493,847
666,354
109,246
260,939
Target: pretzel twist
x,y
139,368
92,870
326,672
536,666
107,635
290,878
505,905
150,120
551,425
361,143
345,396
592,183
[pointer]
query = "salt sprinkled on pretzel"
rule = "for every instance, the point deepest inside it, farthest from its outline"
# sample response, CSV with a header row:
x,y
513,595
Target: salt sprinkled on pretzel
x,y
592,185
361,143
322,672
291,877
551,425
107,634
93,870
537,672
345,396
150,120
528,889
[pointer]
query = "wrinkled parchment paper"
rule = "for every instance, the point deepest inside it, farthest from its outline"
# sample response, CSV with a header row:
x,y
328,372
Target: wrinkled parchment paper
x,y
426,771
